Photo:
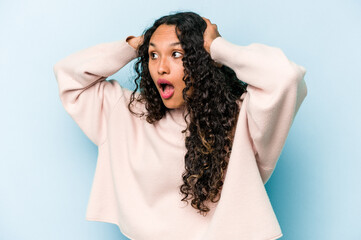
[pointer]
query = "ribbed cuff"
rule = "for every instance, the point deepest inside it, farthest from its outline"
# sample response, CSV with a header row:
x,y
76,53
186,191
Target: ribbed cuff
x,y
222,51
132,50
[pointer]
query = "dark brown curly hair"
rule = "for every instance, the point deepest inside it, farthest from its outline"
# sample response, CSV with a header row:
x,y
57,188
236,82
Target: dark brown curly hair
x,y
212,107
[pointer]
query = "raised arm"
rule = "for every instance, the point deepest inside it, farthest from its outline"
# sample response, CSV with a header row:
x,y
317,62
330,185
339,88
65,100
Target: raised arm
x,y
275,91
84,91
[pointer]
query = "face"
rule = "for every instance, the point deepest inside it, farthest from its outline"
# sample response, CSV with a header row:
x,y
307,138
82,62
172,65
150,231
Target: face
x,y
166,65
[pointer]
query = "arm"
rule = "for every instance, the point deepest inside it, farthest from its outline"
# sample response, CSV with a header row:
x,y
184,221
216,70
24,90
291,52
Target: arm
x,y
275,91
84,91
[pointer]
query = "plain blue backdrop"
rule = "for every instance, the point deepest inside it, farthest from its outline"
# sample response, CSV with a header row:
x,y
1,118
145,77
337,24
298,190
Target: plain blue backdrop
x,y
47,164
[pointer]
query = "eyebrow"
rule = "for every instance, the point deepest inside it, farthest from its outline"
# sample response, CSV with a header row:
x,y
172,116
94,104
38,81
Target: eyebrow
x,y
172,44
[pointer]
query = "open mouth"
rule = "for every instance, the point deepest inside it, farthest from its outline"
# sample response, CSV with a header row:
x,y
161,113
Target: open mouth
x,y
162,85
166,88
165,85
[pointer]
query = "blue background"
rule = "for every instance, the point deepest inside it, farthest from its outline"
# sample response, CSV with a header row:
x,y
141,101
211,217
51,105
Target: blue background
x,y
47,164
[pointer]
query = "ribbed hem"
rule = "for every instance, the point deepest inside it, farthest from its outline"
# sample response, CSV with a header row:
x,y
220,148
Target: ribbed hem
x,y
113,221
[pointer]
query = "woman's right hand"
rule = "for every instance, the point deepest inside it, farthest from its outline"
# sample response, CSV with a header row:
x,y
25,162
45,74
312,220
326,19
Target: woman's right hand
x,y
135,42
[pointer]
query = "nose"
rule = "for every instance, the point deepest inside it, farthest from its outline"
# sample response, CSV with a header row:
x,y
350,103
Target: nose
x,y
163,66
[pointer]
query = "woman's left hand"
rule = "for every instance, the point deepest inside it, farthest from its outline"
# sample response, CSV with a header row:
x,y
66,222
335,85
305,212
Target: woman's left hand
x,y
210,34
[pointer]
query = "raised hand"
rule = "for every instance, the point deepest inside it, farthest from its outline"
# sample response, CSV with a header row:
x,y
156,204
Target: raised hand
x,y
135,42
210,34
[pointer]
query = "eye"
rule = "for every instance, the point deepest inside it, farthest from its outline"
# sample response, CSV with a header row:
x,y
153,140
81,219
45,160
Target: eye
x,y
153,55
177,56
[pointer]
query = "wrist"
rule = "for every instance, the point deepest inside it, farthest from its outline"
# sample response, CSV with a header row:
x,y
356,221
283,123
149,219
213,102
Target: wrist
x,y
208,44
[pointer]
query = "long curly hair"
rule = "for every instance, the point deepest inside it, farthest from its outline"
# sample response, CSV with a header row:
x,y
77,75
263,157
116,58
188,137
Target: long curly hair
x,y
212,107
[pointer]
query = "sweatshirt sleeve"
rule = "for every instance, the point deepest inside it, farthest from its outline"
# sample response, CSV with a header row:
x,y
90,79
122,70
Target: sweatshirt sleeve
x,y
84,91
275,91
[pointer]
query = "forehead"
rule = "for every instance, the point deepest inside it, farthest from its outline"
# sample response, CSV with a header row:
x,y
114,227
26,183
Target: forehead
x,y
164,34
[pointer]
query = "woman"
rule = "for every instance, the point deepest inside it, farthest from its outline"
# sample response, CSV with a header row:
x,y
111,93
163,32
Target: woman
x,y
208,124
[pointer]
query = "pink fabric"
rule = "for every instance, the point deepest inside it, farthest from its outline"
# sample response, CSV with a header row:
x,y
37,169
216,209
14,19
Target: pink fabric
x,y
139,167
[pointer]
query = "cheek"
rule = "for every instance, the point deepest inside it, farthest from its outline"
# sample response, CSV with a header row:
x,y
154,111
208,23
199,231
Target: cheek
x,y
180,75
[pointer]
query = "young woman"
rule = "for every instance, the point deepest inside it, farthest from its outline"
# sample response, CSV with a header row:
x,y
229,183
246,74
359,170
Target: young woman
x,y
207,125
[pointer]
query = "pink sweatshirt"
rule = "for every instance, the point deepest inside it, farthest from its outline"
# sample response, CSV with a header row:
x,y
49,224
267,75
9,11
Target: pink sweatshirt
x,y
139,166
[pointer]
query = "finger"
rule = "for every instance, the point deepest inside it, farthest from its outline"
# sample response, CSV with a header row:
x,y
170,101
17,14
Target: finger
x,y
210,23
207,20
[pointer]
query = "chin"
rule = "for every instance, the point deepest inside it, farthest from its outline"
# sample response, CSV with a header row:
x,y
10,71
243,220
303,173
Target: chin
x,y
169,106
173,105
